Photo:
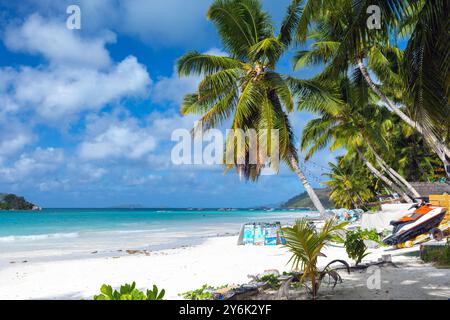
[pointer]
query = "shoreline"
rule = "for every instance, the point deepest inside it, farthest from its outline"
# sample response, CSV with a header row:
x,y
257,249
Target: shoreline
x,y
113,253
164,263
216,261
71,233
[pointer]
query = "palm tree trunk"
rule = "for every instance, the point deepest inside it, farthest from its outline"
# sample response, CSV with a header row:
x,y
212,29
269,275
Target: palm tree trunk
x,y
312,194
314,286
440,148
395,175
383,178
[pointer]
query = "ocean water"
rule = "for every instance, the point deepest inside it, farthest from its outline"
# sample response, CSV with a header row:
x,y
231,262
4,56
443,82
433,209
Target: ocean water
x,y
69,233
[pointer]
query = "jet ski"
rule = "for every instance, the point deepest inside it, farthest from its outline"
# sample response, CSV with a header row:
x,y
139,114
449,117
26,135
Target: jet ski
x,y
423,219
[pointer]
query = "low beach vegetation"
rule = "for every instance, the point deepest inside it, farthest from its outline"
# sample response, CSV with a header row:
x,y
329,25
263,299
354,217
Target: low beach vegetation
x,y
129,292
438,255
205,292
306,245
354,242
272,281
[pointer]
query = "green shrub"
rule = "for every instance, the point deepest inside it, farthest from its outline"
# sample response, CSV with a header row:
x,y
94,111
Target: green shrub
x,y
306,243
440,255
371,234
129,292
203,293
354,243
272,281
376,208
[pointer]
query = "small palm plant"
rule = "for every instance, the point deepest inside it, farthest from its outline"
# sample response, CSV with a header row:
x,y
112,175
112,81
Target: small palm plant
x,y
306,245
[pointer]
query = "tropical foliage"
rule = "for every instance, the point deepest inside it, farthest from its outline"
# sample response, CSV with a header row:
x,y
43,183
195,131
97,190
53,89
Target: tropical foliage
x,y
129,292
13,202
417,93
205,292
354,243
354,121
306,245
439,255
272,281
245,87
385,101
351,183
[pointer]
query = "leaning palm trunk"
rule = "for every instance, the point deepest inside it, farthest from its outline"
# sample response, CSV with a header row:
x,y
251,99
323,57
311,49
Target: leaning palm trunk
x,y
312,194
395,175
383,178
440,148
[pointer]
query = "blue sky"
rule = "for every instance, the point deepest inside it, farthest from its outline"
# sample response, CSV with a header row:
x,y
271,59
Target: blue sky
x,y
86,115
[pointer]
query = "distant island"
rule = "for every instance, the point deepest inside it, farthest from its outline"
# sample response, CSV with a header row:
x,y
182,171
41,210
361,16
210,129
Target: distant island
x,y
127,206
302,200
9,201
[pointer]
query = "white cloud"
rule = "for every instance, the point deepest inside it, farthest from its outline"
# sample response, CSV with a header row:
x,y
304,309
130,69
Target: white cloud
x,y
122,139
165,23
32,165
14,143
85,172
163,124
59,92
80,75
14,136
133,180
58,44
117,135
172,89
216,52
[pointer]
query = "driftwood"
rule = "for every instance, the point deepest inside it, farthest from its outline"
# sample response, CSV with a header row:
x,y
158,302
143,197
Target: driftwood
x,y
284,288
248,290
370,264
333,274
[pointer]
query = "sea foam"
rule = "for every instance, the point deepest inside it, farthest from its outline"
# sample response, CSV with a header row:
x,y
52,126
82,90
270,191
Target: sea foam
x,y
39,237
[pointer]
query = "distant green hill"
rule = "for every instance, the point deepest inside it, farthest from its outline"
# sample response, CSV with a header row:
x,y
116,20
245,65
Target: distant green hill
x,y
303,201
13,202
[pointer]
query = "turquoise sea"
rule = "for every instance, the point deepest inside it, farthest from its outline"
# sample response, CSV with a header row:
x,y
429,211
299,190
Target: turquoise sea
x,y
62,233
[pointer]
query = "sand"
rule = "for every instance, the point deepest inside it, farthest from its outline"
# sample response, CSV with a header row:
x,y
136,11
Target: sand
x,y
217,261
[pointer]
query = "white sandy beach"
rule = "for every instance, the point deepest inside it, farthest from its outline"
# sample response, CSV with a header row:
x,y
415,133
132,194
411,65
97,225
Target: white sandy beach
x,y
217,261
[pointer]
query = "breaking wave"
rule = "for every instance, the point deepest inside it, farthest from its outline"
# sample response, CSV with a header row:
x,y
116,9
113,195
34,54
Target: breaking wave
x,y
39,237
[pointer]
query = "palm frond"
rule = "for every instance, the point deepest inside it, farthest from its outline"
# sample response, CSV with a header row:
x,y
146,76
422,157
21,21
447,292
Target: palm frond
x,y
241,24
268,50
426,65
276,82
315,96
196,63
321,52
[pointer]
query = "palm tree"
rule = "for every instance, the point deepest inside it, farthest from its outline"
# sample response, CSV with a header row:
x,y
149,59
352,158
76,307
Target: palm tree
x,y
351,184
244,86
306,245
352,122
409,154
342,40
